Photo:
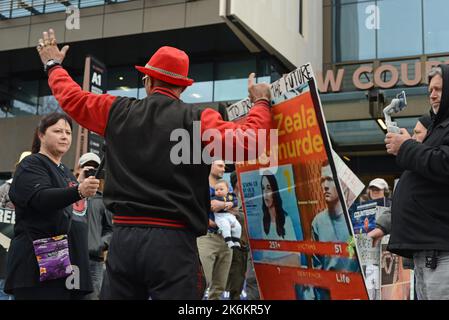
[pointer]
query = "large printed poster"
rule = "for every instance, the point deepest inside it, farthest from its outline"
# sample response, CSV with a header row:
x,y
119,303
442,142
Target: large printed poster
x,y
7,221
396,280
364,221
299,229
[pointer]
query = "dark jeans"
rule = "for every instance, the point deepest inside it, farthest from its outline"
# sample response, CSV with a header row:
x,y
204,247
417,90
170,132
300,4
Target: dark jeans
x,y
42,293
3,295
252,289
152,263
237,273
96,273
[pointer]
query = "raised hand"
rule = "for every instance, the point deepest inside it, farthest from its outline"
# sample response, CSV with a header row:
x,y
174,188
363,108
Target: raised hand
x,y
48,48
89,187
258,91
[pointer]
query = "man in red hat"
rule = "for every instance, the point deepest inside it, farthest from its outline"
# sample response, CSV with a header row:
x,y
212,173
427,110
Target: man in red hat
x,y
159,208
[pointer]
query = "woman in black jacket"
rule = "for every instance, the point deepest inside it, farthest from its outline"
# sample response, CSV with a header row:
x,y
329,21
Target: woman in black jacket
x,y
43,191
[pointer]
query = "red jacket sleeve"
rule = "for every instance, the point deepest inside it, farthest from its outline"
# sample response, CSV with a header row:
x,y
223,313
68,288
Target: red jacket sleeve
x,y
244,134
90,110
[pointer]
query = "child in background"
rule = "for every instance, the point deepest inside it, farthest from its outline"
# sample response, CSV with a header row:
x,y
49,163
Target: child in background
x,y
231,229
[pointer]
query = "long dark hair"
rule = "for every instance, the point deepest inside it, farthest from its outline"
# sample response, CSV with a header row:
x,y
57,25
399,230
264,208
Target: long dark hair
x,y
277,203
47,121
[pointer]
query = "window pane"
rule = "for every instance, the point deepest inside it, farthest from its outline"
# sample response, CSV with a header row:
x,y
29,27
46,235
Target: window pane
x,y
351,133
201,72
18,12
91,3
48,104
5,8
38,5
400,32
198,92
21,108
347,1
263,80
229,90
353,40
54,6
123,82
24,96
203,87
231,81
436,28
124,92
235,69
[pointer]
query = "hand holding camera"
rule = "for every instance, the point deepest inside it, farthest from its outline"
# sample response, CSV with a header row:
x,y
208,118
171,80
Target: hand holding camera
x,y
89,186
86,172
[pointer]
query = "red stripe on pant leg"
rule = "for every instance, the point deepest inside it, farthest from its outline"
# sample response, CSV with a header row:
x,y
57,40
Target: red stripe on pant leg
x,y
147,218
142,222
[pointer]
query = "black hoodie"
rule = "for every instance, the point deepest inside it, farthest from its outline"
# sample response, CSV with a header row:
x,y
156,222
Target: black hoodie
x,y
420,210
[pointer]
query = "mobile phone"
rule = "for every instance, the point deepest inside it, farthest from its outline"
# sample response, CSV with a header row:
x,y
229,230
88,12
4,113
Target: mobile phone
x,y
90,173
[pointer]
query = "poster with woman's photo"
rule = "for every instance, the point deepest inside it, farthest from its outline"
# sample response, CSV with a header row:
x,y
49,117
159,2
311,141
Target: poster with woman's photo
x,y
271,204
272,213
300,233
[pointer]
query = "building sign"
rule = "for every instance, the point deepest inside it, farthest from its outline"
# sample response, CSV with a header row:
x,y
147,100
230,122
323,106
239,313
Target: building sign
x,y
94,81
386,76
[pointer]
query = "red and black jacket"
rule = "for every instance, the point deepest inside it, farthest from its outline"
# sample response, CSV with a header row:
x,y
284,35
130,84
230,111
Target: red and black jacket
x,y
143,187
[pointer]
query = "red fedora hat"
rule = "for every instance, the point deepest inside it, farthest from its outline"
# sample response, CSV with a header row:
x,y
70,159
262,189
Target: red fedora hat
x,y
170,65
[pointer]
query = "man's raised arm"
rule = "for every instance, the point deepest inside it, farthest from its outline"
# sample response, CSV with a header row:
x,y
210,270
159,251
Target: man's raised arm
x,y
88,109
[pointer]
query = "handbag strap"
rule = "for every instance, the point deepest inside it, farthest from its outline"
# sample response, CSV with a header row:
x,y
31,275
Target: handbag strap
x,y
68,228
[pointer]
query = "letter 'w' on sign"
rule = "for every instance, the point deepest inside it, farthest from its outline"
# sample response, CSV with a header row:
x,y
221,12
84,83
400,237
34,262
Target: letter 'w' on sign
x,y
329,79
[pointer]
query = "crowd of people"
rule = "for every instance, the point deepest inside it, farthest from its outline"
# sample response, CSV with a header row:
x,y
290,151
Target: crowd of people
x,y
153,252
179,229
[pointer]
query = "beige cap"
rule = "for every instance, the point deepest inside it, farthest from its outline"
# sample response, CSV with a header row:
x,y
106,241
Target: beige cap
x,y
88,157
379,183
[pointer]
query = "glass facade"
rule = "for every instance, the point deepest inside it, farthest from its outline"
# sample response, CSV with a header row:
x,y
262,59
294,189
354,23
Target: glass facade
x,y
400,28
436,28
364,132
218,81
10,9
380,29
214,81
353,41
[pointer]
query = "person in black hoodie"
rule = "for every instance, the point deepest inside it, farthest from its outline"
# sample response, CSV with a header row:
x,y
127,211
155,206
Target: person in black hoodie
x,y
383,223
420,214
99,223
44,193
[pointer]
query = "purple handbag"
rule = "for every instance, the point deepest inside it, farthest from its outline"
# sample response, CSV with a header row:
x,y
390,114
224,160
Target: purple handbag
x,y
53,258
52,255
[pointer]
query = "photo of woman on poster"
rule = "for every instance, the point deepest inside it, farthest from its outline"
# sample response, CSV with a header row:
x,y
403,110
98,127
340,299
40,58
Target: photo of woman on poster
x,y
273,214
277,225
271,204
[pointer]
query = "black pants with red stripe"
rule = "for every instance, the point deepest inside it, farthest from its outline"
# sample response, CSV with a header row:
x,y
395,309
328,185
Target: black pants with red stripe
x,y
152,263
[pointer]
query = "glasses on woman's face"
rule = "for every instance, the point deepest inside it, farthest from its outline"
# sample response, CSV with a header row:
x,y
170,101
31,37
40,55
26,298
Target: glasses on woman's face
x,y
144,80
